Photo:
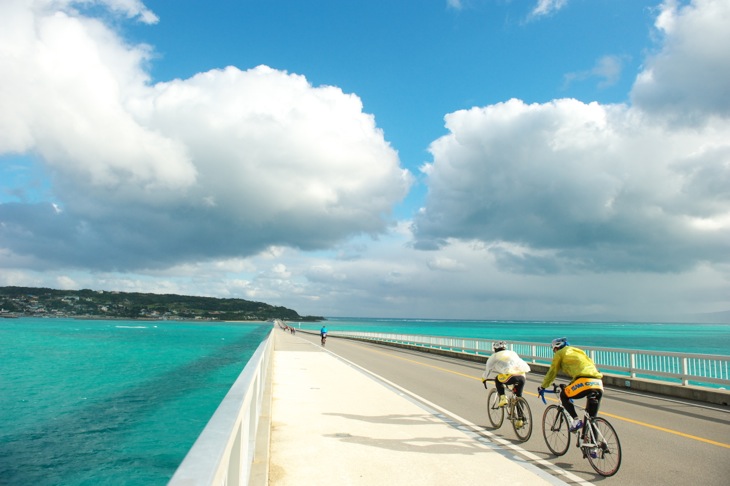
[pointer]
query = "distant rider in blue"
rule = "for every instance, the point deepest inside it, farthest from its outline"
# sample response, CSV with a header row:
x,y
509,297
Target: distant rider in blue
x,y
323,332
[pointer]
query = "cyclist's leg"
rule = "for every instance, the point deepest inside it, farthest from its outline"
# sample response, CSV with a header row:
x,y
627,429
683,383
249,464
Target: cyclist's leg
x,y
519,383
567,404
499,386
594,402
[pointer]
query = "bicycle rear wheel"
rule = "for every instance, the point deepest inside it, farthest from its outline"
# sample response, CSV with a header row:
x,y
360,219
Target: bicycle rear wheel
x,y
555,430
522,420
494,411
608,452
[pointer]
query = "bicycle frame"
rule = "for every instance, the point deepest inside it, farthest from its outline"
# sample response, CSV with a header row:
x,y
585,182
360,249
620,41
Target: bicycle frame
x,y
584,430
518,412
596,439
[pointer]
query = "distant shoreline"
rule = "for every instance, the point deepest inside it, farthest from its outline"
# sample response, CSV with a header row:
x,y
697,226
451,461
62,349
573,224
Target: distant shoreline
x,y
107,318
113,305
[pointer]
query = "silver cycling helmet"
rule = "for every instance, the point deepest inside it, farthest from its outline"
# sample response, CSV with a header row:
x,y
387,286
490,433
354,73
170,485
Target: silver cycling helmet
x,y
559,343
499,346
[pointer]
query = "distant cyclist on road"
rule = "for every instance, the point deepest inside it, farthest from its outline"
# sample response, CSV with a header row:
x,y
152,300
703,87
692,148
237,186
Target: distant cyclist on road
x,y
585,379
323,334
510,369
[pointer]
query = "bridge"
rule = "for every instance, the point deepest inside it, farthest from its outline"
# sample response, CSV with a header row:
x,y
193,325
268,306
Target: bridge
x,y
362,413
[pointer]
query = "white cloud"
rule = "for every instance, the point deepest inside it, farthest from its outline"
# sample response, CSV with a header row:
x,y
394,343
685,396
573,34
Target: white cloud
x,y
607,69
132,9
446,264
66,79
546,7
66,283
568,186
602,187
269,145
223,183
686,79
392,279
224,164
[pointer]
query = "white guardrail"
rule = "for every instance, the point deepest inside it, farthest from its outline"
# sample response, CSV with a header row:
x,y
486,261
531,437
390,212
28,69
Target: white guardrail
x,y
223,453
695,369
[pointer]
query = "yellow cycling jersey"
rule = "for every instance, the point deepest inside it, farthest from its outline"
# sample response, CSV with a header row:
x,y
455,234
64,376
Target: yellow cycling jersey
x,y
572,361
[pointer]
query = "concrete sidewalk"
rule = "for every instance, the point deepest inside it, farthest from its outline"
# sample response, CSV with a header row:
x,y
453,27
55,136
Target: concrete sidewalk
x,y
333,424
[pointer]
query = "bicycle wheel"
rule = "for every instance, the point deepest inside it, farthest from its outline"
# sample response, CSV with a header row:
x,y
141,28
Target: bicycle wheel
x,y
522,420
608,452
495,412
555,430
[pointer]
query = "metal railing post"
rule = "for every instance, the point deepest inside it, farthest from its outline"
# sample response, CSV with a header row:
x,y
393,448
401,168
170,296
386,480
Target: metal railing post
x,y
706,369
632,365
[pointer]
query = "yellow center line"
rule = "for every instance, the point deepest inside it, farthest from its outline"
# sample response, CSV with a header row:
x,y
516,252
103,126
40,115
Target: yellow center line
x,y
669,431
425,364
617,417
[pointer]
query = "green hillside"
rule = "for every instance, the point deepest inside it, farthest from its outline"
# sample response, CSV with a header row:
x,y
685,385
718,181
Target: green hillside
x,y
31,301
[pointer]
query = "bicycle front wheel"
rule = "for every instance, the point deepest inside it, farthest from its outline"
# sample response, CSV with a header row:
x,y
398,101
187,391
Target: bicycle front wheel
x,y
522,420
555,430
494,411
608,452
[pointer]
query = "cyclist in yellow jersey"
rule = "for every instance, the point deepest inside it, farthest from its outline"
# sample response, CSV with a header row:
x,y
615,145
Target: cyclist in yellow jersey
x,y
585,379
510,369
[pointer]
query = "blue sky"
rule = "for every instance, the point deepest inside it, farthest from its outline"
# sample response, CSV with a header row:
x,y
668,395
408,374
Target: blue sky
x,y
485,159
412,62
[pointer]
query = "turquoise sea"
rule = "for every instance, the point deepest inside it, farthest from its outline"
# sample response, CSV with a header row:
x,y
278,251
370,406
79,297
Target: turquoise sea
x,y
87,402
111,402
686,338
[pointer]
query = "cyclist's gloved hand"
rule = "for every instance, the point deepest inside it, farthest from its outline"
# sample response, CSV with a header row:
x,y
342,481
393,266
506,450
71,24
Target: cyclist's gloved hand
x,y
484,382
540,390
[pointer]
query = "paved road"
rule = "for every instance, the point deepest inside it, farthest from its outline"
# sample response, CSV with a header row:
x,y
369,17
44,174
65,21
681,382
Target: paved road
x,y
664,441
334,425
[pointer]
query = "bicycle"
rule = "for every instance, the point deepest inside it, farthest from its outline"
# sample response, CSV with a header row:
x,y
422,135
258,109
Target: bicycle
x,y
324,339
597,439
518,412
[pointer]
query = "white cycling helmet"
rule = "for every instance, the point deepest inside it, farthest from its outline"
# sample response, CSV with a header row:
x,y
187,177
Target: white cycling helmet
x,y
499,346
559,343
